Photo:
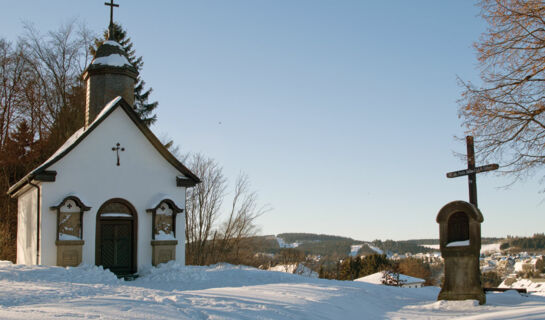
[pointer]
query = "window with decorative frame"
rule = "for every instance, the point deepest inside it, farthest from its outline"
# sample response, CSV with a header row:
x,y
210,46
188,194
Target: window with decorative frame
x,y
164,220
70,218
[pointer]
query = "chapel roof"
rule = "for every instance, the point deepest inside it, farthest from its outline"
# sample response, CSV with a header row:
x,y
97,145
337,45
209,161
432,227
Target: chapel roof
x,y
42,174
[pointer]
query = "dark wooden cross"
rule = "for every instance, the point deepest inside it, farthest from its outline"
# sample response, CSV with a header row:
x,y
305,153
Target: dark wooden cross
x,y
471,171
116,149
111,26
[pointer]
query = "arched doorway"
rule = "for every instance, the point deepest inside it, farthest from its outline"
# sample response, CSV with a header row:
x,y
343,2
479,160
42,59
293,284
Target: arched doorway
x,y
116,235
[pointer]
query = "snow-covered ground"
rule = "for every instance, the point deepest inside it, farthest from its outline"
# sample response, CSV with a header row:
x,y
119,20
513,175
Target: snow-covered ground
x,y
296,268
485,248
283,244
377,278
491,248
431,246
354,249
231,292
535,286
376,249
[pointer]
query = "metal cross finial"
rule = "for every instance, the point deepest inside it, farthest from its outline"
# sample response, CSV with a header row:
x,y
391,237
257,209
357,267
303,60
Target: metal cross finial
x,y
116,149
111,26
471,171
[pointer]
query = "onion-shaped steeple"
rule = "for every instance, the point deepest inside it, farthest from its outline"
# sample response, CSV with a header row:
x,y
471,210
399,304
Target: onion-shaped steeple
x,y
109,75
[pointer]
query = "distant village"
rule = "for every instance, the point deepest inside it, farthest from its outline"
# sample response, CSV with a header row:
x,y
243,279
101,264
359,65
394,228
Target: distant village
x,y
500,268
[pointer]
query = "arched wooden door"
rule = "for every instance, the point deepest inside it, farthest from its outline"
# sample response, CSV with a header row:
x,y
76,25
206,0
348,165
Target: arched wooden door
x,y
116,237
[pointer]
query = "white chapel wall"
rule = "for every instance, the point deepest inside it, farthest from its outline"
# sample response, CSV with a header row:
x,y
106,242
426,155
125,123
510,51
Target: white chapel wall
x,y
90,172
26,227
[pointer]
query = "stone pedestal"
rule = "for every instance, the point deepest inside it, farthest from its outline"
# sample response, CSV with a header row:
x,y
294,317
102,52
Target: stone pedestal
x,y
463,281
163,251
460,243
69,252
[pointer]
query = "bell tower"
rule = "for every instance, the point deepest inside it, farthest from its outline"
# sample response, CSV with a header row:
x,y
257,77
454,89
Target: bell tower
x,y
109,75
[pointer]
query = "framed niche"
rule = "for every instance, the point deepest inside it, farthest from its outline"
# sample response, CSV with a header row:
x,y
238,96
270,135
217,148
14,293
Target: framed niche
x,y
69,235
163,231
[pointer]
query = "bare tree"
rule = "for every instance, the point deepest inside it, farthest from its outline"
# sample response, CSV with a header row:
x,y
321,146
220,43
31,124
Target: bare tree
x,y
203,206
208,240
57,61
12,83
41,100
507,113
240,223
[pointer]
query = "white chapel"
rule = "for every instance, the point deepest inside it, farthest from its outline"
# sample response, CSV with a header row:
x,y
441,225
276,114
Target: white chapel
x,y
112,195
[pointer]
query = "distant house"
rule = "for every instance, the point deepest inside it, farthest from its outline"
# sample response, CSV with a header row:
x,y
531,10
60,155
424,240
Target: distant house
x,y
405,281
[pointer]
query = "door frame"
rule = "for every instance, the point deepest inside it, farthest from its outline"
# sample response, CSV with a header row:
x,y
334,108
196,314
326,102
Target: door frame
x,y
133,219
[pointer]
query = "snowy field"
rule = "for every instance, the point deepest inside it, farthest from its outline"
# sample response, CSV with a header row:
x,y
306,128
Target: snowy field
x,y
230,292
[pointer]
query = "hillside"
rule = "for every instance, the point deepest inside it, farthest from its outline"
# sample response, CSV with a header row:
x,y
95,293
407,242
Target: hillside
x,y
334,246
326,250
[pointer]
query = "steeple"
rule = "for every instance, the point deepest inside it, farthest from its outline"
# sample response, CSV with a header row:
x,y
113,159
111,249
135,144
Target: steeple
x,y
109,75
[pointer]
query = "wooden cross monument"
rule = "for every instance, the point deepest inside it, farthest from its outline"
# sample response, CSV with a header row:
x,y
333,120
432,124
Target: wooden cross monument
x,y
471,171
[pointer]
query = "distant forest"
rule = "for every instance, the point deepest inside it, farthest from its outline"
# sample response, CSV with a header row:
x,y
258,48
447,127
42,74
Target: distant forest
x,y
536,242
338,246
327,245
302,237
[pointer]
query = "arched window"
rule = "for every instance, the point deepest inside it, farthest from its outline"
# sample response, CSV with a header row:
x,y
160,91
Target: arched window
x,y
164,220
69,238
163,231
70,218
116,208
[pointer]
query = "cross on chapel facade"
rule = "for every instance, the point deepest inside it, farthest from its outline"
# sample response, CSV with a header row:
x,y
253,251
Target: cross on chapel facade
x,y
118,148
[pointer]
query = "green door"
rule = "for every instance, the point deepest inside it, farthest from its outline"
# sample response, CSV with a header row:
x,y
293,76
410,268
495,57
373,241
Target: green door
x,y
116,246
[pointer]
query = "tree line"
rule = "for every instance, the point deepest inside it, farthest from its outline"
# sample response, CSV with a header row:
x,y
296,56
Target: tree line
x,y
42,97
536,242
356,267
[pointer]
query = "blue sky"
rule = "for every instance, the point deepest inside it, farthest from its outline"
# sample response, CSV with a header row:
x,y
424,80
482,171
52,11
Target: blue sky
x,y
343,113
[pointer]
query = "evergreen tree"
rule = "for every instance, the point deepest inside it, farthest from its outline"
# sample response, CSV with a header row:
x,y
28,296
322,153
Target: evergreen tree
x,y
143,108
374,263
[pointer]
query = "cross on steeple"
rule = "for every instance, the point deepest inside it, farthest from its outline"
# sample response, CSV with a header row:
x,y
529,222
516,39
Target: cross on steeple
x,y
471,171
111,4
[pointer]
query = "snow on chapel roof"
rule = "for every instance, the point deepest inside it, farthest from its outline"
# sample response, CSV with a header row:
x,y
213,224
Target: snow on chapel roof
x,y
115,60
111,56
78,136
